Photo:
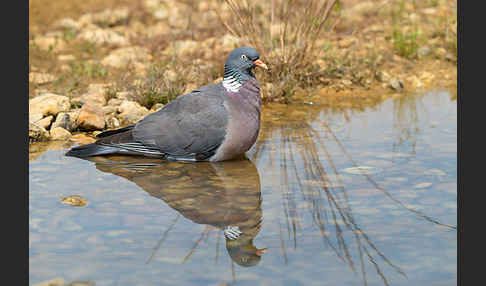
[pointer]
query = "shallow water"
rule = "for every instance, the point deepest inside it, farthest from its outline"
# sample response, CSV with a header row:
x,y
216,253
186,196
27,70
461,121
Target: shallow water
x,y
361,196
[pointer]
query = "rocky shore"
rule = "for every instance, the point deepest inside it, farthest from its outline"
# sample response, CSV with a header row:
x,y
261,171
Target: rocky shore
x,y
111,66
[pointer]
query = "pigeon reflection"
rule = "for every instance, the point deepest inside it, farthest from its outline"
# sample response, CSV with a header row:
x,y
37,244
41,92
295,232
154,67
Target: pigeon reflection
x,y
225,195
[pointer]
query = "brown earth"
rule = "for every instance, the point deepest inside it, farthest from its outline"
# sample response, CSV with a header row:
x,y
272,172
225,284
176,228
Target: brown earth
x,y
151,51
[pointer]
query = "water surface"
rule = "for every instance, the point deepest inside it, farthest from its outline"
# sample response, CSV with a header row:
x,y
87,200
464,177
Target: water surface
x,y
356,196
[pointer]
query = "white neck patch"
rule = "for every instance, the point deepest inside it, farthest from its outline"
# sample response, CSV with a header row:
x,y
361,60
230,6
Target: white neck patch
x,y
231,84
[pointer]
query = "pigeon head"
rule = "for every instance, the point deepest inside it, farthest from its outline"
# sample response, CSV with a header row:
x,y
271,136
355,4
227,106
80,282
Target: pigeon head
x,y
239,66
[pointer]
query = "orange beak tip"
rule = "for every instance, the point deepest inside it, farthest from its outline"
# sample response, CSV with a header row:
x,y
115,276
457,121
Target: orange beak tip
x,y
260,63
260,252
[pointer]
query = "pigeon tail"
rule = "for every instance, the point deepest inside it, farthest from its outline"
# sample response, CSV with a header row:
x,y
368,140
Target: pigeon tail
x,y
91,150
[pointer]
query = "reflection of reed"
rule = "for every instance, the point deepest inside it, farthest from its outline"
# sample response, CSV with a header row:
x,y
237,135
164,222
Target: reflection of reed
x,y
300,146
405,121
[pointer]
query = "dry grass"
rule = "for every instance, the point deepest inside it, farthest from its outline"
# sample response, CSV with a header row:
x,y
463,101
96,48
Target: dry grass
x,y
286,33
301,42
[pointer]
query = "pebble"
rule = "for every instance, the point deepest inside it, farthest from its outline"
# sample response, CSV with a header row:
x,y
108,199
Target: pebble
x,y
35,117
361,170
37,133
68,23
75,200
91,117
59,133
436,172
133,202
112,123
53,282
48,43
422,185
396,84
45,122
64,121
131,112
41,78
49,104
423,51
382,76
121,57
103,37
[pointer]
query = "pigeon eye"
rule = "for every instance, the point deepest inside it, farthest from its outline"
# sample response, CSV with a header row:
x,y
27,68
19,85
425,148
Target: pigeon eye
x,y
243,57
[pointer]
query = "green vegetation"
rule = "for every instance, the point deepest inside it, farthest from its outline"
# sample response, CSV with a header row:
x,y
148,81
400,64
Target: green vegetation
x,y
286,32
308,45
405,44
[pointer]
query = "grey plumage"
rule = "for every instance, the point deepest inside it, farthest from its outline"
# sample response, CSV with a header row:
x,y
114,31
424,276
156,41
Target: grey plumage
x,y
211,123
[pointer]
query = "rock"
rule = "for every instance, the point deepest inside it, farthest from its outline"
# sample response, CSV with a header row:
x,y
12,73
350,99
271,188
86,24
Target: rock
x,y
441,53
103,37
82,139
123,95
66,58
429,11
347,82
382,76
415,81
35,117
396,84
160,28
100,87
423,51
37,133
170,75
68,23
95,97
75,201
161,14
346,42
450,57
362,170
182,48
109,109
45,122
108,17
64,121
48,43
41,78
59,133
73,116
49,104
53,282
364,7
131,112
112,123
422,185
156,107
151,4
115,101
91,117
119,58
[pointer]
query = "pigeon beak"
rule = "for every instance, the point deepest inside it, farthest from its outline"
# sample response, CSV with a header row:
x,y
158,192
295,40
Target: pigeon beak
x,y
261,64
260,252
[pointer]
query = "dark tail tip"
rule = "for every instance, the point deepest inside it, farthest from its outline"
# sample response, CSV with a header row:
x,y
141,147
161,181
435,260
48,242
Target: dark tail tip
x,y
89,150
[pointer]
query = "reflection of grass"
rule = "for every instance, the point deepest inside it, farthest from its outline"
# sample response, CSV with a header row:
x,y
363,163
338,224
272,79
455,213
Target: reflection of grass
x,y
328,206
405,121
301,148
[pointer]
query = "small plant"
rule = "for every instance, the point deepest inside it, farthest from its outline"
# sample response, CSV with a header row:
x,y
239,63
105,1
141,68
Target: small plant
x,y
405,44
285,33
157,86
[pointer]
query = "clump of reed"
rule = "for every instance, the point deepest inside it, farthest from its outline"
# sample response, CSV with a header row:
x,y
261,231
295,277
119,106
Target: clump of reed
x,y
285,33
